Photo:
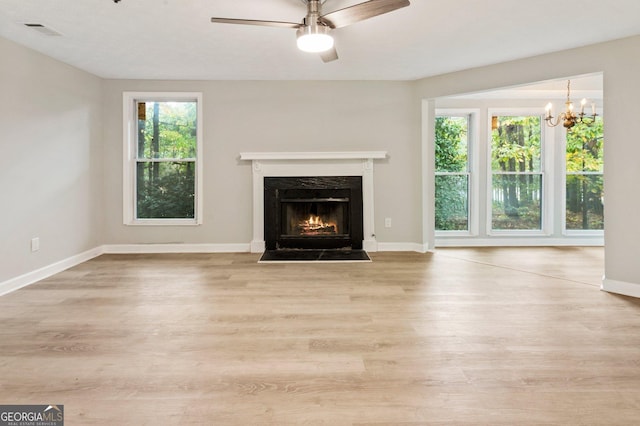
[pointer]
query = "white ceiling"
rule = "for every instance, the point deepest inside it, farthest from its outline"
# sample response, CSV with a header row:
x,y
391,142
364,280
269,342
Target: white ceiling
x,y
174,39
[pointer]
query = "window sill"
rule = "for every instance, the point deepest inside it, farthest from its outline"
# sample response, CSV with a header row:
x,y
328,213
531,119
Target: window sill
x,y
164,222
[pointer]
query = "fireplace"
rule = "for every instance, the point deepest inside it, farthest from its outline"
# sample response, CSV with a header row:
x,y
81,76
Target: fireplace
x,y
313,212
308,164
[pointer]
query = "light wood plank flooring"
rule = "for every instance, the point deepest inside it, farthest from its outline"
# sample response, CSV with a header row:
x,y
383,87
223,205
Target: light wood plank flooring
x,y
509,336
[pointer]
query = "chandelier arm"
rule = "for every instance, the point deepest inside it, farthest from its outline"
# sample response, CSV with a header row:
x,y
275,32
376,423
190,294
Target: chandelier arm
x,y
582,119
551,122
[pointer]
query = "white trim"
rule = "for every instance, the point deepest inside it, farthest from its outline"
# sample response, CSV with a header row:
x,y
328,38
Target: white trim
x,y
233,248
428,179
370,245
546,198
47,271
257,246
593,233
283,164
473,168
549,186
341,155
414,247
175,248
163,222
128,185
620,287
553,94
129,157
519,241
564,174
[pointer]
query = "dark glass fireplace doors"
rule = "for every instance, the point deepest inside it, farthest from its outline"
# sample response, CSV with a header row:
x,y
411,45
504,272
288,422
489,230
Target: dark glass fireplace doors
x,y
313,212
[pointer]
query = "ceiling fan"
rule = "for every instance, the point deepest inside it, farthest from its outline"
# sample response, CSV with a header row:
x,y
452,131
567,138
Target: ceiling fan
x,y
313,32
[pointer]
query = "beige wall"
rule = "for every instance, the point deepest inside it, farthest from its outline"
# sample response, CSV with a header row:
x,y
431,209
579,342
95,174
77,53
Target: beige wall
x,y
278,116
50,167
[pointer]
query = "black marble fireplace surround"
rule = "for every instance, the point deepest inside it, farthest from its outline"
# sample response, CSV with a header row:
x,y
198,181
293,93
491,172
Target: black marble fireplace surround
x,y
313,214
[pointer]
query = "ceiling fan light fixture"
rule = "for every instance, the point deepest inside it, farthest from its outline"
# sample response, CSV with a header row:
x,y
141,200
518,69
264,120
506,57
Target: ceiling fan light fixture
x,y
314,39
313,32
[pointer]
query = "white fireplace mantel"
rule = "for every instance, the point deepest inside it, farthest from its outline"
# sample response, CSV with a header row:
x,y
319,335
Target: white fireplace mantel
x,y
341,163
339,155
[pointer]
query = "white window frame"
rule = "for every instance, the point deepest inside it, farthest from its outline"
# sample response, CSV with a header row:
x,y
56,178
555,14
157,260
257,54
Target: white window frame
x,y
130,125
546,172
472,115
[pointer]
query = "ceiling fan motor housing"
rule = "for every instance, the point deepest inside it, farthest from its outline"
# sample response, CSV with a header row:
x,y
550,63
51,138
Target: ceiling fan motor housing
x,y
314,36
313,32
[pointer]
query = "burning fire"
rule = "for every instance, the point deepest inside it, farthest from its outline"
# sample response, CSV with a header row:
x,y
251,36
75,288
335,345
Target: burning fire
x,y
316,225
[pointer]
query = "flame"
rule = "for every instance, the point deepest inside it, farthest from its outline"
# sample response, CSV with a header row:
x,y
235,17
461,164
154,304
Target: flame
x,y
315,220
315,224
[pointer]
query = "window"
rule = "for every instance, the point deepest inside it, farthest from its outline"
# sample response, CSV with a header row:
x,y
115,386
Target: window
x,y
584,208
502,176
516,173
162,171
452,173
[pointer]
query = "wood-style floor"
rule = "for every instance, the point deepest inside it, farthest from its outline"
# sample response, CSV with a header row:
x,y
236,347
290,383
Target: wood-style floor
x,y
509,336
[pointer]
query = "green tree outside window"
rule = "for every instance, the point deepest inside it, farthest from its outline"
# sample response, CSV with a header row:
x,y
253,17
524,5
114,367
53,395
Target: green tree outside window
x,y
452,174
166,162
516,169
585,181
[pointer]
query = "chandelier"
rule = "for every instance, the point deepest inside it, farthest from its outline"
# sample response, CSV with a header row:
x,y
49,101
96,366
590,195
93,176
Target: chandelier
x,y
569,118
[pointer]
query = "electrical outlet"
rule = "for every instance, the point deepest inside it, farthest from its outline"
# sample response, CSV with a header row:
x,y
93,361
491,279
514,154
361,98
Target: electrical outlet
x,y
35,244
387,222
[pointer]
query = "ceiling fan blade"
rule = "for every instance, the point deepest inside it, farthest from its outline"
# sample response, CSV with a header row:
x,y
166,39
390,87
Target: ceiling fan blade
x,y
360,12
256,22
329,55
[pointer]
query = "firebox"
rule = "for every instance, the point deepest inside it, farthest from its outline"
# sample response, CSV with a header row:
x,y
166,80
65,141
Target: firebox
x,y
313,212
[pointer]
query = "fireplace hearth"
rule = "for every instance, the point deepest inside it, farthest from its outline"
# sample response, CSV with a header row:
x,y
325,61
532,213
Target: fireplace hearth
x,y
313,213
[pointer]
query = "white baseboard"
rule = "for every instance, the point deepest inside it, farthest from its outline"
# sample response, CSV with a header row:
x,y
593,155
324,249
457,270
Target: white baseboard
x,y
175,248
47,271
371,245
620,287
253,247
518,241
257,246
417,247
